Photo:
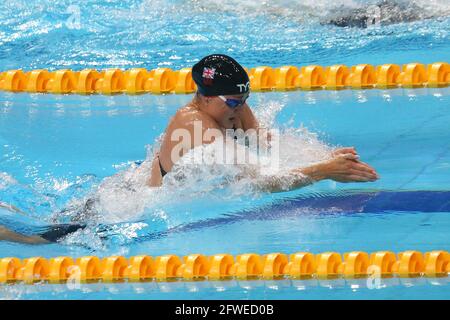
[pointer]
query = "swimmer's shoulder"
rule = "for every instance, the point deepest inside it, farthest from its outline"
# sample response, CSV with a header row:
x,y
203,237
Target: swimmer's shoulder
x,y
186,116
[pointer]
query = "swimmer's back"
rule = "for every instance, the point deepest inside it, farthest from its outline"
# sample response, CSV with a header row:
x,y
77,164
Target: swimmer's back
x,y
176,143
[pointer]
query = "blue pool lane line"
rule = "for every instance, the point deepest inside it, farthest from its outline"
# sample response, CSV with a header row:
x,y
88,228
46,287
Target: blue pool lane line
x,y
349,203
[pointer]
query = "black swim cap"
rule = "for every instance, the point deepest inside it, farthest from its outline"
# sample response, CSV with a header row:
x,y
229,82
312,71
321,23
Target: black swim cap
x,y
218,74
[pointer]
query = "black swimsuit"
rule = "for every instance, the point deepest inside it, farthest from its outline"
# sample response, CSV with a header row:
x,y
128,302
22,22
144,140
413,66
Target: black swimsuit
x,y
163,172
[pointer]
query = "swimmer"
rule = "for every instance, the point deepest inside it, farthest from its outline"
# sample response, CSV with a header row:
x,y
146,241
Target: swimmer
x,y
384,12
220,104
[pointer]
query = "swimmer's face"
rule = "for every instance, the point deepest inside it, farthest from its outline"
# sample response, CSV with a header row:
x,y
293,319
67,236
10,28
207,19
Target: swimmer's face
x,y
221,112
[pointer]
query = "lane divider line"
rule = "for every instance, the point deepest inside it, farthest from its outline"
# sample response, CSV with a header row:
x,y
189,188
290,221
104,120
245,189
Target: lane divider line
x,y
300,265
262,78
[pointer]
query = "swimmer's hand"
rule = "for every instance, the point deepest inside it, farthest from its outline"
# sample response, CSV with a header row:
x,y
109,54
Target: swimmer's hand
x,y
344,150
346,167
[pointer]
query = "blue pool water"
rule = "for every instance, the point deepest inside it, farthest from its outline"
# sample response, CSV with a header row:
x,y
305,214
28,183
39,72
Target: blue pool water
x,y
57,150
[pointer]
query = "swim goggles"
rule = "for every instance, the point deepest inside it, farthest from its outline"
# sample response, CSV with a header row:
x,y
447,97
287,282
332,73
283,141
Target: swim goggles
x,y
234,103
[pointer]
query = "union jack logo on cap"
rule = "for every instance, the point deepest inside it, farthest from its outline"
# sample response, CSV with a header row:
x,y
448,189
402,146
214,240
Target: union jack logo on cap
x,y
208,73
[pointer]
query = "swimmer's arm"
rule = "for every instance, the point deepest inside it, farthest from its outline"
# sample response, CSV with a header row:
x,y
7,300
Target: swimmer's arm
x,y
341,168
293,179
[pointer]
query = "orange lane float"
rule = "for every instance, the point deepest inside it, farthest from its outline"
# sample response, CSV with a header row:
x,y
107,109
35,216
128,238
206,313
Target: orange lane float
x,y
300,265
262,78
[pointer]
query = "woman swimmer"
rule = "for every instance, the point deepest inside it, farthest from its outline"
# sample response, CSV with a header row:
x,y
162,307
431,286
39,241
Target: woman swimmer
x,y
219,105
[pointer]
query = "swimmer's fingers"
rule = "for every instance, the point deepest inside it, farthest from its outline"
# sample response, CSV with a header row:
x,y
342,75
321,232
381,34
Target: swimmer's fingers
x,y
344,150
349,156
358,178
364,170
347,168
363,175
362,166
358,164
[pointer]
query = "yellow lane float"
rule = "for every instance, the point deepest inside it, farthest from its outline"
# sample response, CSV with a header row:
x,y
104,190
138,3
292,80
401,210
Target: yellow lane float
x,y
263,78
300,265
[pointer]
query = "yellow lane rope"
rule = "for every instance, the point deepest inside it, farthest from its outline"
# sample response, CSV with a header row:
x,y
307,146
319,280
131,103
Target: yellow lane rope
x,y
300,265
263,78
